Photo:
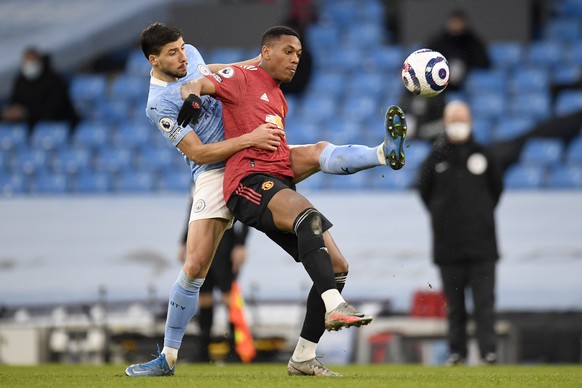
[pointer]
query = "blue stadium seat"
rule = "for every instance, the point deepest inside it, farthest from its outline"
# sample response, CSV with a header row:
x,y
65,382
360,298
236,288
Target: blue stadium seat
x,y
344,130
91,182
339,13
360,104
29,161
510,127
72,161
92,135
568,8
49,183
347,59
113,160
175,181
505,55
226,55
318,107
13,136
387,179
130,88
133,135
531,80
135,182
531,105
482,130
568,101
372,12
574,152
565,177
567,74
563,30
416,153
137,64
321,36
302,131
157,159
114,112
13,184
366,84
575,53
542,152
328,82
486,81
366,35
385,58
488,105
525,177
86,90
48,135
545,54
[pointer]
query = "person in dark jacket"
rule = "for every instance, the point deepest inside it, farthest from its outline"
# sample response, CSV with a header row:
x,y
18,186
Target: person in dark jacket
x,y
39,93
460,183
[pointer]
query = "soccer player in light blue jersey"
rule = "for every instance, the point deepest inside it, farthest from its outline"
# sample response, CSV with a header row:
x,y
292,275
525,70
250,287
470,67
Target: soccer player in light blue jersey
x,y
204,148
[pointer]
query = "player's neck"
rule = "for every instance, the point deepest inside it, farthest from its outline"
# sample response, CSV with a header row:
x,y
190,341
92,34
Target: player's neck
x,y
157,73
266,70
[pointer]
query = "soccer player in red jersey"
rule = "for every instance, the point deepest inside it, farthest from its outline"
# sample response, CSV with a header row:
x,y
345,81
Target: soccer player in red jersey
x,y
259,188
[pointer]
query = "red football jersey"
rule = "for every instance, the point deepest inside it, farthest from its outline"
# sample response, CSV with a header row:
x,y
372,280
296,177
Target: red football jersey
x,y
250,98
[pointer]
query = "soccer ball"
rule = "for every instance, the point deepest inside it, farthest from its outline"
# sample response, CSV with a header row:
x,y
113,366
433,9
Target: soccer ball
x,y
425,73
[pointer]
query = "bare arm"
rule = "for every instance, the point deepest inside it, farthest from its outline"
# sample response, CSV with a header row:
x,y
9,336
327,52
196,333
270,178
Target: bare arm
x,y
266,136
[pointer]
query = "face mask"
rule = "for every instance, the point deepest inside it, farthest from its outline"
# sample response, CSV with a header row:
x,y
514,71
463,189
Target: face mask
x,y
31,70
458,132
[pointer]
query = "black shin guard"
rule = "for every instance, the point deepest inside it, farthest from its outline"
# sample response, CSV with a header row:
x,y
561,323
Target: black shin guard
x,y
314,322
312,251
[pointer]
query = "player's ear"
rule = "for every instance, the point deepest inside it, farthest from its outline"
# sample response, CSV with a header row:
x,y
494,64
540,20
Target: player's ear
x,y
266,53
153,59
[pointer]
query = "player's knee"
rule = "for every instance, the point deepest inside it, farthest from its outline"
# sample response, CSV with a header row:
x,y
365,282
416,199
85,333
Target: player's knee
x,y
308,228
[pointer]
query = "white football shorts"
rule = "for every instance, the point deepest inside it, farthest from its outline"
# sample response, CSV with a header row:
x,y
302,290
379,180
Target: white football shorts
x,y
208,198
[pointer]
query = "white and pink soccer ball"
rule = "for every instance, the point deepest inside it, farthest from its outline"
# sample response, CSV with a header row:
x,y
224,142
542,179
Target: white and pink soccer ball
x,y
425,73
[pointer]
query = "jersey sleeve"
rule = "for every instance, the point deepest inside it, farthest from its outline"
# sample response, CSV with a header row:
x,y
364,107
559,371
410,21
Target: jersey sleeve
x,y
230,84
164,118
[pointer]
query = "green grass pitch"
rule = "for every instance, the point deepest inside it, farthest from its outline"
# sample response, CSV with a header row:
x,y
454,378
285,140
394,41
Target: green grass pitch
x,y
275,375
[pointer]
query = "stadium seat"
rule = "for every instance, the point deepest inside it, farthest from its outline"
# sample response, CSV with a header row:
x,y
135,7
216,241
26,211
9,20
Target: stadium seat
x,y
574,152
339,13
545,54
134,182
327,83
344,130
486,81
226,55
92,135
49,183
363,104
91,182
506,55
372,84
524,177
114,112
575,53
488,105
137,64
318,107
531,80
113,160
133,135
13,184
157,159
371,12
385,59
567,74
48,135
29,161
13,136
531,105
175,181
482,130
86,90
563,30
348,59
510,127
130,88
542,152
72,161
416,153
565,177
568,101
365,35
386,179
302,131
322,36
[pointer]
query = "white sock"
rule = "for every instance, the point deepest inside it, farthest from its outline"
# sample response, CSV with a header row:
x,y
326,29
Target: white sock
x,y
171,355
304,351
381,156
332,298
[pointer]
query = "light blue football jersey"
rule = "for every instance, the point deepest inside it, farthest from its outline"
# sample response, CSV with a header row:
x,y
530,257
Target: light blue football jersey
x,y
164,103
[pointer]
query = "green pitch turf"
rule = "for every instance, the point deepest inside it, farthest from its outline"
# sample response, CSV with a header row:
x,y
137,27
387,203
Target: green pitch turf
x,y
275,375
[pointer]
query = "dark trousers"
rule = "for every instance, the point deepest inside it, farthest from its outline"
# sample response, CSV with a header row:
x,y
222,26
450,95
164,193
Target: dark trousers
x,y
480,279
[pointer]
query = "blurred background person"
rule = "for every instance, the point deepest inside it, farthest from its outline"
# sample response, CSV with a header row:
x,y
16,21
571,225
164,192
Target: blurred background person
x,y
460,185
465,51
39,93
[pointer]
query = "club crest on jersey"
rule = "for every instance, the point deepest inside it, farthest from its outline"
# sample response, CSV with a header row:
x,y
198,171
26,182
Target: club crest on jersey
x,y
166,124
268,185
203,69
274,119
227,72
199,206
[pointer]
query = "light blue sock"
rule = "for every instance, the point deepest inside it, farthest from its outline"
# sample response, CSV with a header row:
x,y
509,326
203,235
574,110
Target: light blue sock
x,y
181,308
349,159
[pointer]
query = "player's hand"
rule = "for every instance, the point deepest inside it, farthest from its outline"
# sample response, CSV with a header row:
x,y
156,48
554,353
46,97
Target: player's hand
x,y
190,110
266,136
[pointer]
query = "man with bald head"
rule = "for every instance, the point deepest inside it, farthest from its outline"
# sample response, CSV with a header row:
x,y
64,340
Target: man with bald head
x,y
460,183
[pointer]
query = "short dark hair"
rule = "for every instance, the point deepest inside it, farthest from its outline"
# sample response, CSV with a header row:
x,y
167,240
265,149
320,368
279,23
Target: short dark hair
x,y
274,33
157,35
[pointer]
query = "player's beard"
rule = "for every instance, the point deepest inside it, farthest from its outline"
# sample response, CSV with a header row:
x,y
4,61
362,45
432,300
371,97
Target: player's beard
x,y
175,74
